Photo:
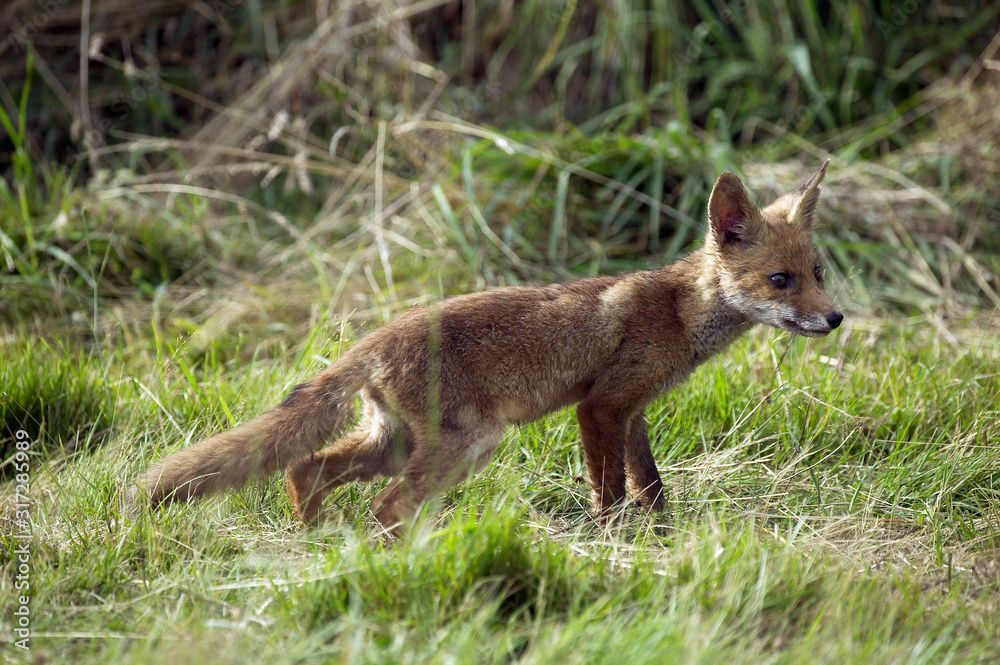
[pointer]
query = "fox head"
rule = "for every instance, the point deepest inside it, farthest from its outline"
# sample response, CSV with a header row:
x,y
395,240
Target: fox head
x,y
765,264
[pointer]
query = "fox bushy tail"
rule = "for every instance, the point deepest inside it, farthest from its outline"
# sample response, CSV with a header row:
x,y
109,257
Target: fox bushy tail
x,y
309,417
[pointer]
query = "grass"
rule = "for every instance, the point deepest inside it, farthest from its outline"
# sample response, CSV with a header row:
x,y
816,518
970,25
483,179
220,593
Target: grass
x,y
837,505
56,393
828,500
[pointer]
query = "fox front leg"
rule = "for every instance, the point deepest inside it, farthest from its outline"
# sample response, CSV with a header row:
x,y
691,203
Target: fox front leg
x,y
642,476
604,438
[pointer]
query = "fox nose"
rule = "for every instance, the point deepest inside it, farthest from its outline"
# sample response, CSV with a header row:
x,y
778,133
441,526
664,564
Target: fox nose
x,y
834,319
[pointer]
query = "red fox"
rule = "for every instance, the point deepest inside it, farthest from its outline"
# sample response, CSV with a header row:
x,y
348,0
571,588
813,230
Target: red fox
x,y
439,384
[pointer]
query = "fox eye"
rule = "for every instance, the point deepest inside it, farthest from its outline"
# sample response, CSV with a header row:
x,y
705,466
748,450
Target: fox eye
x,y
779,280
819,274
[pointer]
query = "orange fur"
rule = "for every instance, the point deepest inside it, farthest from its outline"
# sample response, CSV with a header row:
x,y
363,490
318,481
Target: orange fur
x,y
440,384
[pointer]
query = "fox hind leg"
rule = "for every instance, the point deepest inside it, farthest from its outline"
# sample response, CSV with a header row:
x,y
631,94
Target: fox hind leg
x,y
432,470
378,448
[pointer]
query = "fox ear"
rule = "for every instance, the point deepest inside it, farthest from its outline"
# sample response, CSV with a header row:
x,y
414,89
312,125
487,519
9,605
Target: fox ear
x,y
732,215
805,197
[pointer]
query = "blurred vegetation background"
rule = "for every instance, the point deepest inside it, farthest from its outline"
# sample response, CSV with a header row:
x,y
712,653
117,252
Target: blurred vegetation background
x,y
224,174
202,200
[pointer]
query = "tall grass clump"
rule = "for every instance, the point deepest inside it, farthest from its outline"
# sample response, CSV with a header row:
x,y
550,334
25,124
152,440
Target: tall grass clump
x,y
61,398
